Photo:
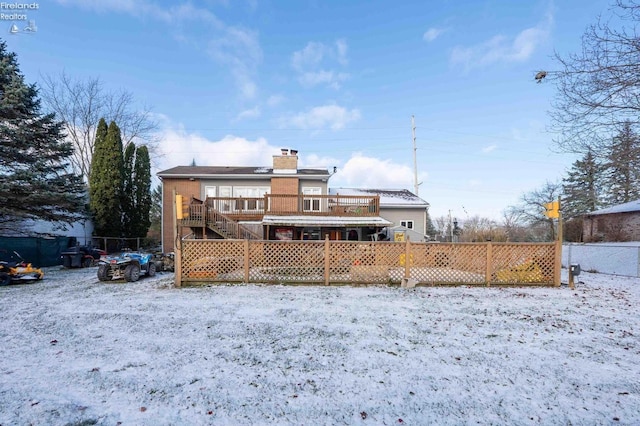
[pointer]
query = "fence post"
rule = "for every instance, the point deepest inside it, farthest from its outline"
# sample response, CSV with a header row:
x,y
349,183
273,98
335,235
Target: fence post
x,y
327,260
246,260
407,259
178,262
489,265
177,246
558,264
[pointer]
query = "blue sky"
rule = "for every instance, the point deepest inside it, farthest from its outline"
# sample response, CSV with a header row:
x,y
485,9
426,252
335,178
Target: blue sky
x,y
232,82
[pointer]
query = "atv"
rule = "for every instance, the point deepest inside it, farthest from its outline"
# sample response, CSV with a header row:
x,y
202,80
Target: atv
x,y
18,271
128,266
81,256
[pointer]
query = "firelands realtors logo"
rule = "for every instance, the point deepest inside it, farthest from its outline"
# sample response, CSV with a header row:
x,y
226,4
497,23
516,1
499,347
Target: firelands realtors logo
x,y
19,14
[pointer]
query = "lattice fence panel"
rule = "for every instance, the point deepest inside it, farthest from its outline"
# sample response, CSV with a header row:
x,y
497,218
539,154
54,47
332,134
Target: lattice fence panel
x,y
367,262
364,262
286,261
208,260
436,263
343,256
523,264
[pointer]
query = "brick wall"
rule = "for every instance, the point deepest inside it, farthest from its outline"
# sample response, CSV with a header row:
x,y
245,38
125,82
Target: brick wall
x,y
285,185
617,227
285,162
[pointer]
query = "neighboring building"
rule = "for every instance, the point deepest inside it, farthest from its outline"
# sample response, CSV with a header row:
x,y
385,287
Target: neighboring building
x,y
616,223
405,210
80,231
282,202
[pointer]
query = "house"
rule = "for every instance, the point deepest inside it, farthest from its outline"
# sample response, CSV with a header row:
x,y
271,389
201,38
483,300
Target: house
x,y
616,223
282,202
406,211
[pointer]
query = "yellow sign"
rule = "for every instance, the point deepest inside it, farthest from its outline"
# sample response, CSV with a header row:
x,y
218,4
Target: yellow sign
x,y
398,237
552,210
179,212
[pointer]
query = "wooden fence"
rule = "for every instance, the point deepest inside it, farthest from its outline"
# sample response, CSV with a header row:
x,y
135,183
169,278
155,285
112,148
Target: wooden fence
x,y
358,262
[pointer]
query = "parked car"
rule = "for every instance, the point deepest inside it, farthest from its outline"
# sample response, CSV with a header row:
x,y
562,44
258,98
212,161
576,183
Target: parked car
x,y
128,266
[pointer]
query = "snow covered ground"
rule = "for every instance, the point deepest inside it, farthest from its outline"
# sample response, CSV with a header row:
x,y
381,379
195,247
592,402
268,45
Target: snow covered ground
x,y
75,351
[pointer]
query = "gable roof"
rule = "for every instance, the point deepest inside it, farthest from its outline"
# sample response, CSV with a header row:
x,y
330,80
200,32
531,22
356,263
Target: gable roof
x,y
631,206
235,172
388,197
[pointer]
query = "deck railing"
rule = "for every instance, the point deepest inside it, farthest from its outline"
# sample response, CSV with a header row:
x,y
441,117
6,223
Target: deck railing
x,y
302,204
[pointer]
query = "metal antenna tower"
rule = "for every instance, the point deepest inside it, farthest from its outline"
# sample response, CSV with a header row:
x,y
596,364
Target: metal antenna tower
x,y
416,185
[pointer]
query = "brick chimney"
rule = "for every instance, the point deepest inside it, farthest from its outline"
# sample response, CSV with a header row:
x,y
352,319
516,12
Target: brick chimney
x,y
286,163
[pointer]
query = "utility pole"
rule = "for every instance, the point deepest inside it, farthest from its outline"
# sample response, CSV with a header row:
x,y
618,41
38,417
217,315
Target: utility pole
x,y
415,158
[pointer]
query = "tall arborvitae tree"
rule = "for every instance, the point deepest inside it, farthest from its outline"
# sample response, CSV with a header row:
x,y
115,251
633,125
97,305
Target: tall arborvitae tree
x,y
582,187
106,181
142,192
622,175
35,178
129,195
155,213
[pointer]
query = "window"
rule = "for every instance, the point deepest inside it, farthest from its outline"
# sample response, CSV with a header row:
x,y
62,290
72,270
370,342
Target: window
x,y
224,205
407,224
209,191
310,203
250,192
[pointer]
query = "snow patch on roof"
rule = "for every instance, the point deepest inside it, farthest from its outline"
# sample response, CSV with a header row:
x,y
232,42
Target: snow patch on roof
x,y
388,197
631,206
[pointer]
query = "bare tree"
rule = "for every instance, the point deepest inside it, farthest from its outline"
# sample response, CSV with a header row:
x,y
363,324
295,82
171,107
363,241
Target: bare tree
x,y
443,227
479,229
599,87
531,211
80,104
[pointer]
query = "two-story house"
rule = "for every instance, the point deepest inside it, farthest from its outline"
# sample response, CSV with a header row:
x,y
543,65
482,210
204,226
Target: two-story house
x,y
282,202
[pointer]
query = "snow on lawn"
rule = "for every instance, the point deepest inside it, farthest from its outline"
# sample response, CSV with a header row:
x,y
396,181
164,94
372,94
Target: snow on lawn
x,y
77,352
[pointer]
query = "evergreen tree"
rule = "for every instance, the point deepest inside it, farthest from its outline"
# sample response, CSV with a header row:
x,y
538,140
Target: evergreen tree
x,y
429,228
35,182
107,180
155,213
129,196
142,192
622,175
582,187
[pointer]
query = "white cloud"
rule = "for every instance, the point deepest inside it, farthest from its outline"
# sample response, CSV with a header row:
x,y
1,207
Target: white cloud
x,y
239,49
329,78
147,9
316,64
432,33
333,117
236,47
314,161
503,49
370,172
309,57
249,114
275,100
180,148
490,148
341,47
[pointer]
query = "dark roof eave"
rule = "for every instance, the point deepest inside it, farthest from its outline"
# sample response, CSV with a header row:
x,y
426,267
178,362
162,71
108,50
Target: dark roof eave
x,y
240,176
